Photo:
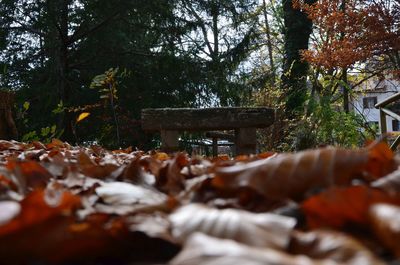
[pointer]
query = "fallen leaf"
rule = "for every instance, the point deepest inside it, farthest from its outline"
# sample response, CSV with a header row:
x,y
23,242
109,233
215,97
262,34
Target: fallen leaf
x,y
29,174
390,183
385,221
292,175
337,207
8,210
201,249
91,169
11,145
169,178
35,211
331,245
261,230
56,143
122,193
156,225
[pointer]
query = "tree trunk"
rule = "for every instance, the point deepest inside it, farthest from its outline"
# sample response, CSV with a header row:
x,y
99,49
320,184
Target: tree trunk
x,y
61,13
8,130
269,44
344,73
345,89
297,32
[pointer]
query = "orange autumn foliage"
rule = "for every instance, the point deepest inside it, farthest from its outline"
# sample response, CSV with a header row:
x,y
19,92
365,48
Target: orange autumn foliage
x,y
351,31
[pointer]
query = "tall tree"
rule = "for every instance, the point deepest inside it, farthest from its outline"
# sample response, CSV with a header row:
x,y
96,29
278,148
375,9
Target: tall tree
x,y
365,30
298,28
222,39
350,32
175,52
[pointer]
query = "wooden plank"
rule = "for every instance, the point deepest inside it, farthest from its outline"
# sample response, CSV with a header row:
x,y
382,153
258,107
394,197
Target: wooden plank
x,y
221,135
206,119
388,100
382,116
391,114
395,144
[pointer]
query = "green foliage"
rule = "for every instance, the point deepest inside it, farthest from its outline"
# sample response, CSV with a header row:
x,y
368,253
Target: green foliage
x,y
172,62
44,134
107,85
329,125
60,108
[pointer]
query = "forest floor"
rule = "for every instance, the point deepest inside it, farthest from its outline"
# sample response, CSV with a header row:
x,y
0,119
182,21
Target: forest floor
x,y
63,204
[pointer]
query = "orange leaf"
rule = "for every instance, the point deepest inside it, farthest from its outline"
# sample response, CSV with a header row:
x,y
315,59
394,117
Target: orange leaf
x,y
35,211
337,207
29,173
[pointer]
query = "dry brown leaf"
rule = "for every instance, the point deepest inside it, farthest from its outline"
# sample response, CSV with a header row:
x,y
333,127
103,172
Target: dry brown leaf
x,y
11,145
29,174
385,221
169,178
332,245
261,230
390,183
56,143
156,225
201,249
126,193
36,211
91,169
292,175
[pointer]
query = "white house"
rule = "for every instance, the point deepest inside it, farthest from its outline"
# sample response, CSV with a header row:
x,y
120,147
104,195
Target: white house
x,y
368,94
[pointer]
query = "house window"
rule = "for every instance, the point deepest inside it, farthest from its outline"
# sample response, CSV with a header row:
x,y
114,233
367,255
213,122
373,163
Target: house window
x,y
369,102
395,125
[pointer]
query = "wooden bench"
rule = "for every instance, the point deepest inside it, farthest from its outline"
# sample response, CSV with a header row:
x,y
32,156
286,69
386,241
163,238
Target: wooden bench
x,y
170,121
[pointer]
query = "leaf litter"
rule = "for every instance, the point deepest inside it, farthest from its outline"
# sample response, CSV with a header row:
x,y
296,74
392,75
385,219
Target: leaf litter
x,y
63,204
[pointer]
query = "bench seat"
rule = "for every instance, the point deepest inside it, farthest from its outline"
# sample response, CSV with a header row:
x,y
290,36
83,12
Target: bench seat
x,y
170,121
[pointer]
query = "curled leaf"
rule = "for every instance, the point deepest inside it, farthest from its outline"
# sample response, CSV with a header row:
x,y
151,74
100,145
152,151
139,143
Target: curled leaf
x,y
122,193
331,245
35,211
8,210
201,249
29,174
390,183
292,175
385,220
261,230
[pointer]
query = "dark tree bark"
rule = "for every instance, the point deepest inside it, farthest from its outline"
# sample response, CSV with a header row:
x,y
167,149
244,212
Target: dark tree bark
x,y
297,33
8,130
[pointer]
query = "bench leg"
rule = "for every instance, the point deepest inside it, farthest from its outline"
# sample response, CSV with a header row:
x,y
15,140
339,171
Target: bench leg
x,y
245,141
215,147
169,140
